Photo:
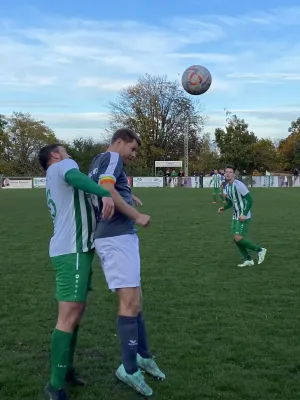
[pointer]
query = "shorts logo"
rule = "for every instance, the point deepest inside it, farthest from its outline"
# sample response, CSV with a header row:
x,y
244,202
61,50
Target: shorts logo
x,y
77,276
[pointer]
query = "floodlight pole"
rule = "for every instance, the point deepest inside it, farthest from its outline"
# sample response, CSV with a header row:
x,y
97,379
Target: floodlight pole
x,y
186,148
186,143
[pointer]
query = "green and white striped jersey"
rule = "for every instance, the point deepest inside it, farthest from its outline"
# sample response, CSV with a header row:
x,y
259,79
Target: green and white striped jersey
x,y
235,192
216,180
72,212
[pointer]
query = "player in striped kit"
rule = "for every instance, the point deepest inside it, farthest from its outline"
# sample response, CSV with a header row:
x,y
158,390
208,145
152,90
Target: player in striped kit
x,y
216,181
72,252
239,198
223,185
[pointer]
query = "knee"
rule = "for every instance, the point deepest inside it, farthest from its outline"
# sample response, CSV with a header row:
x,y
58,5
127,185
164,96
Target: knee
x,y
69,315
129,302
237,238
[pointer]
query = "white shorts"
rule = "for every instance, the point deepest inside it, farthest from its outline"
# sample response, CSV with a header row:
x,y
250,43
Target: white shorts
x,y
120,260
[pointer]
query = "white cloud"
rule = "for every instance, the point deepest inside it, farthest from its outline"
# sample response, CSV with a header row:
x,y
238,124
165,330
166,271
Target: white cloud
x,y
90,116
280,114
266,77
68,134
214,58
264,122
263,128
78,50
107,84
26,80
80,65
68,126
273,18
273,110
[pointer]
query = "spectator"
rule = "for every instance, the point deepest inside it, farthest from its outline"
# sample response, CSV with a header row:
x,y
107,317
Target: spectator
x,y
174,175
168,177
286,181
180,178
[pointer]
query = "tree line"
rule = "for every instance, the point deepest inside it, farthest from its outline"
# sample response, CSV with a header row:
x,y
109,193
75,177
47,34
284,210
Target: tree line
x,y
160,112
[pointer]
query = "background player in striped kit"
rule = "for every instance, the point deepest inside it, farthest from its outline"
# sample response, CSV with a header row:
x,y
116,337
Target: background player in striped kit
x,y
216,181
72,252
223,180
238,197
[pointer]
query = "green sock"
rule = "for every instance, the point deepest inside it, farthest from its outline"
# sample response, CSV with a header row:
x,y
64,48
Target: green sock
x,y
243,251
214,197
249,245
60,350
73,347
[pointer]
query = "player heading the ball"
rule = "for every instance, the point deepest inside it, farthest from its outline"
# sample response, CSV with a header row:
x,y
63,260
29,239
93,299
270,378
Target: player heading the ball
x,y
117,245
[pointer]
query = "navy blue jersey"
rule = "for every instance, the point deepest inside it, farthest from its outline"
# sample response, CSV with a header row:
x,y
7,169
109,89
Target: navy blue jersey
x,y
108,167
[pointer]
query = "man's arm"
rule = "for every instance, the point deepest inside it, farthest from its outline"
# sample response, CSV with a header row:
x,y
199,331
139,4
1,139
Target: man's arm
x,y
82,182
228,204
136,200
120,204
242,188
249,203
109,167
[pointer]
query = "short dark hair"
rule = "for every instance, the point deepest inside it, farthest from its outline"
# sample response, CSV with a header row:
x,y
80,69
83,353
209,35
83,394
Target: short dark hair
x,y
44,154
231,167
127,135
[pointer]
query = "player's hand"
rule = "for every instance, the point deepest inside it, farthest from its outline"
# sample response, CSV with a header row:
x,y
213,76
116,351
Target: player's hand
x,y
137,201
143,220
242,218
108,208
221,210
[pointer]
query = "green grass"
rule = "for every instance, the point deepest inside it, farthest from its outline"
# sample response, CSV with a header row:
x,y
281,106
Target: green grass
x,y
219,332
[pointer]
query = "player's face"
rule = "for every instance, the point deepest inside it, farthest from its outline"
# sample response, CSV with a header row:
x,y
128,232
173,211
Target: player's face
x,y
60,154
63,153
229,174
215,171
128,151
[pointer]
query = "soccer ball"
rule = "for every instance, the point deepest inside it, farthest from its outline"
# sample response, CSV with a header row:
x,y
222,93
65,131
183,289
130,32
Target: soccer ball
x,y
196,80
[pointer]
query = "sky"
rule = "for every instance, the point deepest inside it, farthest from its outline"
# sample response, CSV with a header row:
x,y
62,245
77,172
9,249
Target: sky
x,y
63,61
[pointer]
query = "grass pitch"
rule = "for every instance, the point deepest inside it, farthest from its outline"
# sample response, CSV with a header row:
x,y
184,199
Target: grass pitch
x,y
218,331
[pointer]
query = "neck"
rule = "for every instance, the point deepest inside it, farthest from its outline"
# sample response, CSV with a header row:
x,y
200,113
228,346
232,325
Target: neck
x,y
113,148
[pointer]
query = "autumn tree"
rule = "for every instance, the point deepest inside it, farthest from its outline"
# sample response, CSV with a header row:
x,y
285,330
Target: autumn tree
x,y
289,148
21,137
83,150
236,143
264,155
207,158
295,127
3,143
161,113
